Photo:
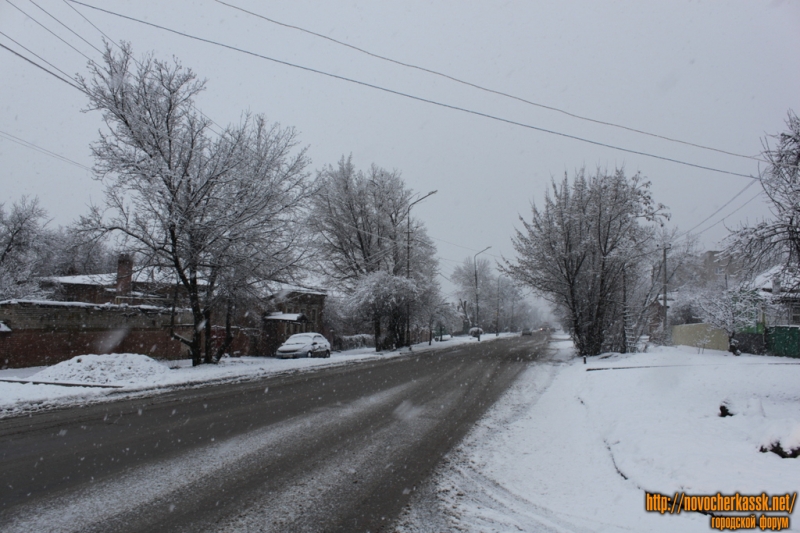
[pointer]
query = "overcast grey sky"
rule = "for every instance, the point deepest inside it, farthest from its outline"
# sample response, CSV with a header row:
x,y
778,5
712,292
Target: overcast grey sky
x,y
721,74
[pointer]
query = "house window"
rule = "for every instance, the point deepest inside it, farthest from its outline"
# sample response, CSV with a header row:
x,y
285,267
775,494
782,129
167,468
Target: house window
x,y
796,314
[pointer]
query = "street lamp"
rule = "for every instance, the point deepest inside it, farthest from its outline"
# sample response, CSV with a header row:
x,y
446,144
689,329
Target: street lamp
x,y
408,260
477,306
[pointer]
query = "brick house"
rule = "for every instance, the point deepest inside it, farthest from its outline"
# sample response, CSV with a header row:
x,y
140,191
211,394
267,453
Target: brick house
x,y
130,311
147,286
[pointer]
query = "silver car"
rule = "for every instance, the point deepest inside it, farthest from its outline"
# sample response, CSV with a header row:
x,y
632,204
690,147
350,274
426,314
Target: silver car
x,y
304,345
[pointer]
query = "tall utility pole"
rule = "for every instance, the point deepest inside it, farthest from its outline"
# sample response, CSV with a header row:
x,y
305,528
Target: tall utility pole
x,y
408,262
477,292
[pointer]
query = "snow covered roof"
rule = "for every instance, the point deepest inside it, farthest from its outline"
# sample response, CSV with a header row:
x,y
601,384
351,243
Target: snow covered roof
x,y
103,280
285,289
287,317
144,275
788,280
52,303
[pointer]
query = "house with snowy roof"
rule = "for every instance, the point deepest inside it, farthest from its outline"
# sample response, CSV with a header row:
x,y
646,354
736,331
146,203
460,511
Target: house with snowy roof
x,y
782,287
131,311
148,286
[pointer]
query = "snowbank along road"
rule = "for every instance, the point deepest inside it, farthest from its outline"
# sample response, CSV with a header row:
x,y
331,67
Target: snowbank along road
x,y
338,449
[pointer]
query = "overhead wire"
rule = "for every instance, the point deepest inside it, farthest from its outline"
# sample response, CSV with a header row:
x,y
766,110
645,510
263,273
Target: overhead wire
x,y
28,144
726,204
37,65
38,56
759,193
47,29
410,96
209,118
67,27
138,63
53,154
91,61
91,23
487,89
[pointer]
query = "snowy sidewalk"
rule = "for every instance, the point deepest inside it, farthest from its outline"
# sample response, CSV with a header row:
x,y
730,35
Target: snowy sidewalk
x,y
134,374
568,449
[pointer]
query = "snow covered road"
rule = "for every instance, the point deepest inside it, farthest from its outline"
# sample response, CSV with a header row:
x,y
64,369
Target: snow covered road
x,y
337,449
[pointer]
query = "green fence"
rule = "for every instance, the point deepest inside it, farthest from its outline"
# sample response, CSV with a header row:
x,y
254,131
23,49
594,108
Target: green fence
x,y
784,341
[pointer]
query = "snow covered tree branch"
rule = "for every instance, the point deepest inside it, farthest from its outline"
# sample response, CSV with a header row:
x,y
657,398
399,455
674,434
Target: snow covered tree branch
x,y
219,212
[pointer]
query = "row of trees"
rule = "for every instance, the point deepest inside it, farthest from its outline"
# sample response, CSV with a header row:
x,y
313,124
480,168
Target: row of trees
x,y
490,300
30,249
225,214
597,250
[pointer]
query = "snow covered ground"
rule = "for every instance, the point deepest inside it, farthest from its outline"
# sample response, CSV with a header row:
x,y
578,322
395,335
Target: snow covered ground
x,y
113,375
568,449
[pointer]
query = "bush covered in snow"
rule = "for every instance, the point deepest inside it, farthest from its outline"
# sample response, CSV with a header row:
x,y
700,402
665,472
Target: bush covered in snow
x,y
362,340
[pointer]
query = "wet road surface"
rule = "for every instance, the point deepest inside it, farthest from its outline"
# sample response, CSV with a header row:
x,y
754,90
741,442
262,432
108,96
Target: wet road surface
x,y
336,449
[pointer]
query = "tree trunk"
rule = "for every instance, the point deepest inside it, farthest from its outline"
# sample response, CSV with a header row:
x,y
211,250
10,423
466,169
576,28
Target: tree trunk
x,y
209,344
376,323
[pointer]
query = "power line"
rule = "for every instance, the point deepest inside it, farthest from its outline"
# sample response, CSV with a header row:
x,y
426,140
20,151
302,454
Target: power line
x,y
412,97
726,204
55,155
34,63
731,213
91,23
138,63
48,30
28,144
487,89
67,27
37,55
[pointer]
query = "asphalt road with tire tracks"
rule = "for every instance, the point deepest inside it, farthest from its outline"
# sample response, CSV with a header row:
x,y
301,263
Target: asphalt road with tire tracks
x,y
335,449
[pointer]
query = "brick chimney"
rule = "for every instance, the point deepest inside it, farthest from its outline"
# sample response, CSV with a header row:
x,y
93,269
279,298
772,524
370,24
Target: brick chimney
x,y
124,274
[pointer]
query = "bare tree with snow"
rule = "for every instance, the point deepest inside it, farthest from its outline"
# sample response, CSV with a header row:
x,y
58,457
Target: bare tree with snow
x,y
22,243
217,211
362,236
731,310
776,241
576,250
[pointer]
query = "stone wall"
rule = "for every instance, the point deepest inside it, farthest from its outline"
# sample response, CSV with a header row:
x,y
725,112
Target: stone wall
x,y
45,333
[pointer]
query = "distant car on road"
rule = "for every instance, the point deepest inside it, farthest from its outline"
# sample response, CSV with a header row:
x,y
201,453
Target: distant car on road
x,y
304,345
527,331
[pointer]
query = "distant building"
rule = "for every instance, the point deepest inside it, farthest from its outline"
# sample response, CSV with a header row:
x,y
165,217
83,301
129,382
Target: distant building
x,y
720,270
784,290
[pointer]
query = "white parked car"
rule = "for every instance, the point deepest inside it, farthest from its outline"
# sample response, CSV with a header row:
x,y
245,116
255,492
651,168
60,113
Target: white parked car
x,y
304,345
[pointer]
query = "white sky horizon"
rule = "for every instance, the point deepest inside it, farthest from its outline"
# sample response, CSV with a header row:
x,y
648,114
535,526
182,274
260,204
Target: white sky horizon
x,y
721,74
